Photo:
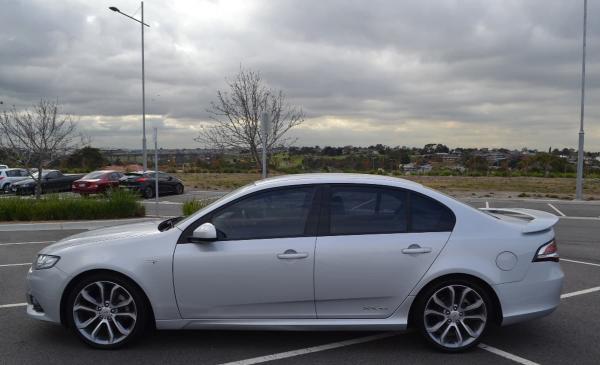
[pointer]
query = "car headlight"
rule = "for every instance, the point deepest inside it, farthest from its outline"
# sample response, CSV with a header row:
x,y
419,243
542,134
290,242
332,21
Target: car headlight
x,y
45,262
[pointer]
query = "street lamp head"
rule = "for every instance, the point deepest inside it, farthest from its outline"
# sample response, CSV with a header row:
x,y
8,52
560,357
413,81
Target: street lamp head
x,y
114,8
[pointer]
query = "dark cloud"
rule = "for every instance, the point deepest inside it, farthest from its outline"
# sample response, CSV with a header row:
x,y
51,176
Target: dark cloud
x,y
397,72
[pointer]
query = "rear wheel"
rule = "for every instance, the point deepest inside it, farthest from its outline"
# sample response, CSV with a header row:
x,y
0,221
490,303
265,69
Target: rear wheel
x,y
148,192
107,311
453,315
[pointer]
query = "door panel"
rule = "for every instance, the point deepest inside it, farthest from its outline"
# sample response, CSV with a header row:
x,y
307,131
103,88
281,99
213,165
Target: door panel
x,y
246,278
368,276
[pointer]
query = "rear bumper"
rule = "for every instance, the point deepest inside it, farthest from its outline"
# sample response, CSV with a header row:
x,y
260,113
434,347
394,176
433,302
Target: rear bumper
x,y
537,295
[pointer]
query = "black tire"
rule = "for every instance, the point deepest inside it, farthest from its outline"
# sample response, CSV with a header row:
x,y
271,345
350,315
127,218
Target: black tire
x,y
455,317
148,192
139,303
179,189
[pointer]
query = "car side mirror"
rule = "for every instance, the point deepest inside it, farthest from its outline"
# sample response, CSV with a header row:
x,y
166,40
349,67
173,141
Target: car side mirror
x,y
205,233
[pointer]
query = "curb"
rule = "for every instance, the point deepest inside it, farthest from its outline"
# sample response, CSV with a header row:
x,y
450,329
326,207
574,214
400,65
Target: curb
x,y
58,226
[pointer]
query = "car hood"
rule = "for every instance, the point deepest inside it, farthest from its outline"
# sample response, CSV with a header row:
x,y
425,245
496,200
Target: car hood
x,y
98,236
27,181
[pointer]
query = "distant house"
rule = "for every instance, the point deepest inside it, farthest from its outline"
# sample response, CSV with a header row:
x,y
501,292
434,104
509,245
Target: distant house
x,y
414,168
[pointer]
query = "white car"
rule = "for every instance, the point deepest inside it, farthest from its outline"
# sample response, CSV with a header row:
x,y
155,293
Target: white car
x,y
307,252
9,176
2,167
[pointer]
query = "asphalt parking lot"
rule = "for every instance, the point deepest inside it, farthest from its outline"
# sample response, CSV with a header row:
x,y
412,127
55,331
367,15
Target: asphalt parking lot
x,y
570,335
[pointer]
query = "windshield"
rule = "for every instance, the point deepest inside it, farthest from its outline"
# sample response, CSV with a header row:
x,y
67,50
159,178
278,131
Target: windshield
x,y
44,173
93,175
214,202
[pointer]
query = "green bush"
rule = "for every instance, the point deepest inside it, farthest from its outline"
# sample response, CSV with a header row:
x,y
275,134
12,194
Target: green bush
x,y
194,205
120,204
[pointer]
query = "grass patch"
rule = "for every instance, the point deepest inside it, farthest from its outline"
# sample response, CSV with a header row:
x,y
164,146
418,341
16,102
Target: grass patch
x,y
194,205
120,204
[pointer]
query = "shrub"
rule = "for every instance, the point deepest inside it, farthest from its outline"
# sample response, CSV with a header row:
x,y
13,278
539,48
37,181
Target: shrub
x,y
194,205
120,204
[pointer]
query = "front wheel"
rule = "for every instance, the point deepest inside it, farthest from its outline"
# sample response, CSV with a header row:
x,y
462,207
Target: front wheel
x,y
454,314
107,311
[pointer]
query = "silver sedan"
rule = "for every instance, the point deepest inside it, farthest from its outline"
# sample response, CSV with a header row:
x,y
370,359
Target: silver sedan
x,y
310,252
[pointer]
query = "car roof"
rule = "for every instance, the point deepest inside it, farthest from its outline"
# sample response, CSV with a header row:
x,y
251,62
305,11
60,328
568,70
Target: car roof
x,y
336,178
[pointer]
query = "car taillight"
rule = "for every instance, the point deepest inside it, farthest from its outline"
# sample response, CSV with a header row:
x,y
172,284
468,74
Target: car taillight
x,y
141,179
1,177
547,252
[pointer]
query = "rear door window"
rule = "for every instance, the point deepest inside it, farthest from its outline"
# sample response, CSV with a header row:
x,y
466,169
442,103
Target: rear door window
x,y
367,210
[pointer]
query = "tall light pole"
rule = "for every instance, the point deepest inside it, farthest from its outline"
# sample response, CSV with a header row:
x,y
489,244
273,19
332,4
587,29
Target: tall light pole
x,y
266,126
144,151
580,155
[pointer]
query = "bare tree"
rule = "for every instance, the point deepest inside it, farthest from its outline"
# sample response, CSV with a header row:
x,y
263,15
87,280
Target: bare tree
x,y
35,137
236,115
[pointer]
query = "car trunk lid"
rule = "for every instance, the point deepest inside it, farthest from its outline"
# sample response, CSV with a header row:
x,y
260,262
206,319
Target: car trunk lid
x,y
526,220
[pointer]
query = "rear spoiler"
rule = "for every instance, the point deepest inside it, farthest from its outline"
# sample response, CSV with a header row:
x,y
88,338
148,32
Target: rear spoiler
x,y
540,221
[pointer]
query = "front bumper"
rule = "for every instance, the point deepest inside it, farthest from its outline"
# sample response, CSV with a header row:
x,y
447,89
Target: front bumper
x,y
22,190
537,295
46,288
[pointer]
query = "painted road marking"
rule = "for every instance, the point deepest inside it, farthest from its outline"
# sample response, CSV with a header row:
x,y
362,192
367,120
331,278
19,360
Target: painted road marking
x,y
556,210
506,355
580,262
580,292
335,345
487,204
24,243
22,264
309,350
13,305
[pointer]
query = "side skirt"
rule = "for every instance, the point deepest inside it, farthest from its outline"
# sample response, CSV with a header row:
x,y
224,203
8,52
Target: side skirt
x,y
396,322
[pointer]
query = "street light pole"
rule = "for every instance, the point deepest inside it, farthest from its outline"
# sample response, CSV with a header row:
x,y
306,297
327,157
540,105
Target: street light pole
x,y
144,150
580,154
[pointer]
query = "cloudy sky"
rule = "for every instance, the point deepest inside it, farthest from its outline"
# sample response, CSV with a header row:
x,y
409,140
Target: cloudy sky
x,y
464,73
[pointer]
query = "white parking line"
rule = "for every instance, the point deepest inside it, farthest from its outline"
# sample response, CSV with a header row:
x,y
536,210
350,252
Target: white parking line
x,y
13,305
580,292
487,204
580,262
24,243
556,210
506,355
308,350
22,264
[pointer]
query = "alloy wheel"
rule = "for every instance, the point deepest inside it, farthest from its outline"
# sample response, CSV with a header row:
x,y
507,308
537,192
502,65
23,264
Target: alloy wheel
x,y
455,316
104,313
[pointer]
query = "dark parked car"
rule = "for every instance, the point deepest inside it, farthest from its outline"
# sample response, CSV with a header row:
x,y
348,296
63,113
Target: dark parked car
x,y
144,183
53,181
97,182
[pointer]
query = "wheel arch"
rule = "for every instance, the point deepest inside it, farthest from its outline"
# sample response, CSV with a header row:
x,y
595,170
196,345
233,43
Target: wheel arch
x,y
459,276
74,280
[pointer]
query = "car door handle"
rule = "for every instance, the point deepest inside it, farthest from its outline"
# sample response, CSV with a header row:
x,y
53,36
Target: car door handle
x,y
292,254
413,249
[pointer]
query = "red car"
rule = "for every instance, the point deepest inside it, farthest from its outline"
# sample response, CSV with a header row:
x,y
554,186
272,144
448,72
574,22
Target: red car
x,y
97,182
